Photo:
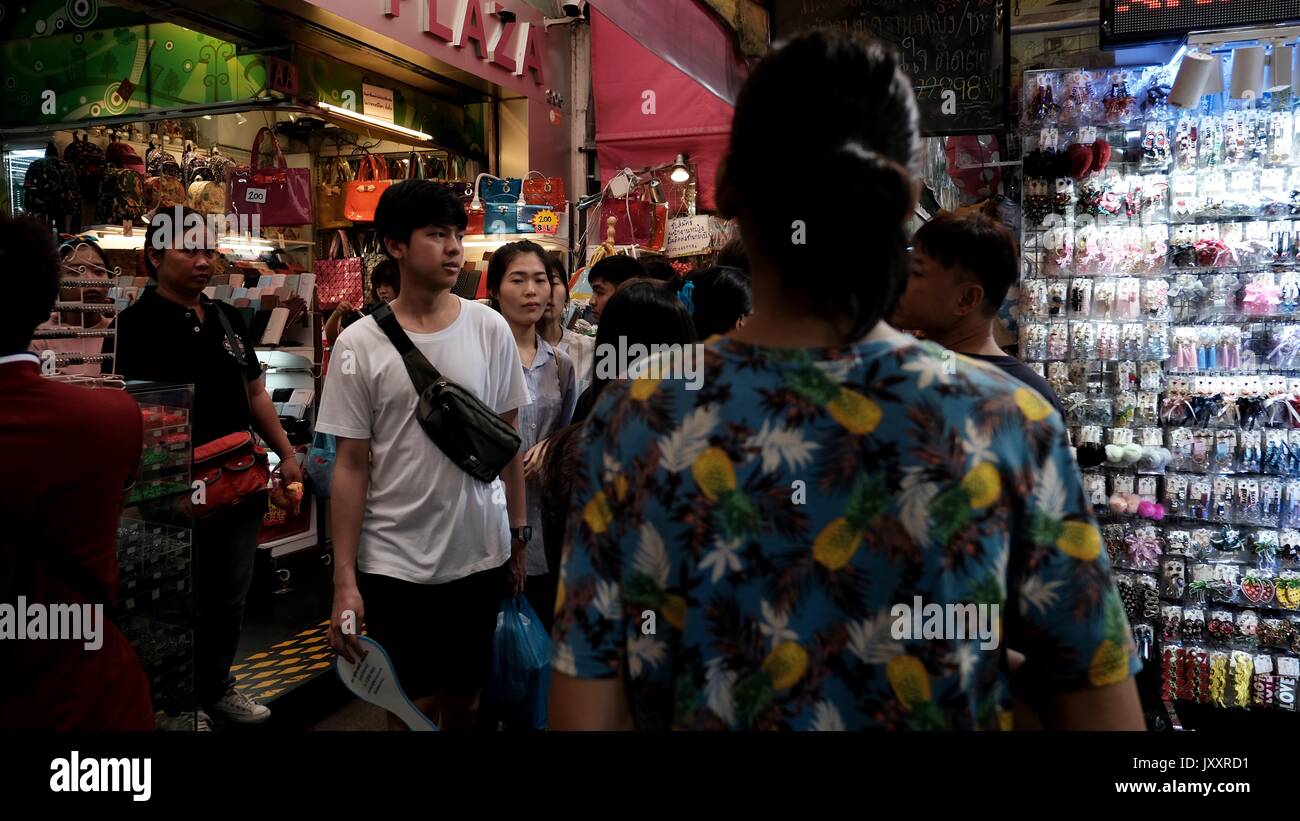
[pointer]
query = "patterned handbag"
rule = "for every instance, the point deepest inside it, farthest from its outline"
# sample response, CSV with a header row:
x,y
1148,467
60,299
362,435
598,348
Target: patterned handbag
x,y
164,191
206,197
330,202
339,278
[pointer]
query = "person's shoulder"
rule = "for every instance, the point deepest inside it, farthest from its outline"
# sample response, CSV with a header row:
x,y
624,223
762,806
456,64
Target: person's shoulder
x,y
484,316
105,410
361,334
561,358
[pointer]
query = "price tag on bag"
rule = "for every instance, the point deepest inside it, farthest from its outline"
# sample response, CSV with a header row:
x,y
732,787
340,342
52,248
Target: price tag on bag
x,y
255,195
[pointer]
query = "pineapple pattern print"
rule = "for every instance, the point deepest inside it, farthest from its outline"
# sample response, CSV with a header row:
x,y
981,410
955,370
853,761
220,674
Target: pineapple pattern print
x,y
771,519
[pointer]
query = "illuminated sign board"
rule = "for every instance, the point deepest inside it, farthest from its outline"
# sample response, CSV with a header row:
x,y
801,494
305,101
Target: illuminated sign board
x,y
1152,21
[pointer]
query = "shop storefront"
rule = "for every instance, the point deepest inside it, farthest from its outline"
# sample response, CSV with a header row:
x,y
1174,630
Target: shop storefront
x,y
111,112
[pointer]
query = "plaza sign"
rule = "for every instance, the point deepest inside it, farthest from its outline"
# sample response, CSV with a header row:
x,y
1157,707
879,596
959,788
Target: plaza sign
x,y
473,25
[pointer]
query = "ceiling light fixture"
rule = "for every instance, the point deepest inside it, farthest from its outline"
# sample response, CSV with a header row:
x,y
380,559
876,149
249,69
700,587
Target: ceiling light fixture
x,y
366,119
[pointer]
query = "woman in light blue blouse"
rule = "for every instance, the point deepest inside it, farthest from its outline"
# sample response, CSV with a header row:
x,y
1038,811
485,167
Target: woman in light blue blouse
x,y
519,285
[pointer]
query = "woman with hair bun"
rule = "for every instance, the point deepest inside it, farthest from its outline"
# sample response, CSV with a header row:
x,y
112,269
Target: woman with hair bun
x,y
740,547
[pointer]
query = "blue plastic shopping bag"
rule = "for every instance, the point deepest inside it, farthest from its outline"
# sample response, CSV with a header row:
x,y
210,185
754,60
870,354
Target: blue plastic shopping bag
x,y
320,464
521,667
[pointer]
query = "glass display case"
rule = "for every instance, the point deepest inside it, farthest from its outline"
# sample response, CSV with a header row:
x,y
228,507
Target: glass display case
x,y
154,606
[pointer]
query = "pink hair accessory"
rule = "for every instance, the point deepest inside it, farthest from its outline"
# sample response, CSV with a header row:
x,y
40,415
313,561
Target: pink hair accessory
x,y
1143,550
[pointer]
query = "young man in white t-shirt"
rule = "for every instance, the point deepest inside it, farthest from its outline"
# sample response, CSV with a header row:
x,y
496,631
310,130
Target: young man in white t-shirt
x,y
423,551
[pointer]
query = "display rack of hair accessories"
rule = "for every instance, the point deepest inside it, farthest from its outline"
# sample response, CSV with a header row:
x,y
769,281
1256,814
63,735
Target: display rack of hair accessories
x,y
1160,297
74,278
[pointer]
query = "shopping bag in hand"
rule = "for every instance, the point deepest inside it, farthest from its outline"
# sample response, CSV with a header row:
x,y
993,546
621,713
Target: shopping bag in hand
x,y
521,666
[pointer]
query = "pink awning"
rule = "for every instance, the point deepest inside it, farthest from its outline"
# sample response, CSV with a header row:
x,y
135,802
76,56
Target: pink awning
x,y
648,111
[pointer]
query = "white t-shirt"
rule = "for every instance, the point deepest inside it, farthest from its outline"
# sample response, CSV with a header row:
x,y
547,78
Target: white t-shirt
x,y
426,520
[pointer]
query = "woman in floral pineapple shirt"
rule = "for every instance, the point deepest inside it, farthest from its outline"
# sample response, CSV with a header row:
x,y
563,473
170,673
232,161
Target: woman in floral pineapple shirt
x,y
736,554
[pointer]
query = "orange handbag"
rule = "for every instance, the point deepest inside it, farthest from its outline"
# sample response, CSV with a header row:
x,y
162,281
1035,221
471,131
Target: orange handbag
x,y
364,192
541,190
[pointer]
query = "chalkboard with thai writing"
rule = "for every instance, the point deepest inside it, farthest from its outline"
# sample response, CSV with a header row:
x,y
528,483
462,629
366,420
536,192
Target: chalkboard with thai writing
x,y
957,52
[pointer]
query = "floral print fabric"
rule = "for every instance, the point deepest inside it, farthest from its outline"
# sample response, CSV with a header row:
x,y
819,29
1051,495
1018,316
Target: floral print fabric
x,y
738,551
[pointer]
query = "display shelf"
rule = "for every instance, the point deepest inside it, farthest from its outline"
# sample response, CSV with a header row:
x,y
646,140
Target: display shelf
x,y
1164,309
292,544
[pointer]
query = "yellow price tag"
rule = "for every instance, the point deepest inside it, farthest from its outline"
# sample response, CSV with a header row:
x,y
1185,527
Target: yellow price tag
x,y
546,222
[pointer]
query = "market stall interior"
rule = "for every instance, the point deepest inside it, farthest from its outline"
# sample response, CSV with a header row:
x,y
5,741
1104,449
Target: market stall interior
x,y
288,185
1160,298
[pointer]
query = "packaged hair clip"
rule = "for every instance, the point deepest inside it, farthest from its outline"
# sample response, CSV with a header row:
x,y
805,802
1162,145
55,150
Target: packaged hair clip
x,y
1118,102
1079,104
1041,106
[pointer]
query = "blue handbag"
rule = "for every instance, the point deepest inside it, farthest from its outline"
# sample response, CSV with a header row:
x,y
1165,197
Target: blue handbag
x,y
526,214
501,218
492,190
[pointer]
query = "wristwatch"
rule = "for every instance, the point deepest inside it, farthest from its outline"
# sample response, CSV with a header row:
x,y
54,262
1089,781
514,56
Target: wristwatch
x,y
522,534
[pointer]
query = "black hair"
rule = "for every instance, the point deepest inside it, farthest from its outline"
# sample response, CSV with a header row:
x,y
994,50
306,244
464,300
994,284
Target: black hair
x,y
27,253
645,312
732,255
720,297
849,260
555,267
385,272
410,205
500,264
979,246
657,266
615,270
167,230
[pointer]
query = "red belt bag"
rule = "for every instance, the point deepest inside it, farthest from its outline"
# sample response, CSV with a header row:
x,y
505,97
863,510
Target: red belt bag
x,y
231,469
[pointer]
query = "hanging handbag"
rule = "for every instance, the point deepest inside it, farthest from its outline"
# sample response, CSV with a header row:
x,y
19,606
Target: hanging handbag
x,y
468,431
330,202
637,221
206,197
371,256
276,194
339,279
163,192
362,194
548,191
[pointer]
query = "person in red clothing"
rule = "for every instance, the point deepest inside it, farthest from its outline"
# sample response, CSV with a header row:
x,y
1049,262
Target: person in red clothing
x,y
68,453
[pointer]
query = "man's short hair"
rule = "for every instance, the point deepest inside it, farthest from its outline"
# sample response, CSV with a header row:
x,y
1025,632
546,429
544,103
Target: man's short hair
x,y
410,205
615,270
30,260
979,246
657,266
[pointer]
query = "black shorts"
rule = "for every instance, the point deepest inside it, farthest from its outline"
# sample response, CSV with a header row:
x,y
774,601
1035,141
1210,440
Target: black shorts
x,y
439,636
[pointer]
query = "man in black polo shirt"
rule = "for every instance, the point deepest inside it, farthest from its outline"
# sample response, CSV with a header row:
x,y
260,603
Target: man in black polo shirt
x,y
173,333
962,268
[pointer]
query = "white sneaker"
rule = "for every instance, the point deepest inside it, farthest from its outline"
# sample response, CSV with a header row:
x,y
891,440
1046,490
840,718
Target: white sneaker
x,y
239,708
193,721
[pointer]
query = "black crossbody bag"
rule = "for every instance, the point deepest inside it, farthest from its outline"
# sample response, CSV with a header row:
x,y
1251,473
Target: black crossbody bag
x,y
462,427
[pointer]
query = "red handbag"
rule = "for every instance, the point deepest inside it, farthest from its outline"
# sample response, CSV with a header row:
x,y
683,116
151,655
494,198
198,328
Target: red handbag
x,y
636,222
277,194
363,193
231,469
339,279
548,191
